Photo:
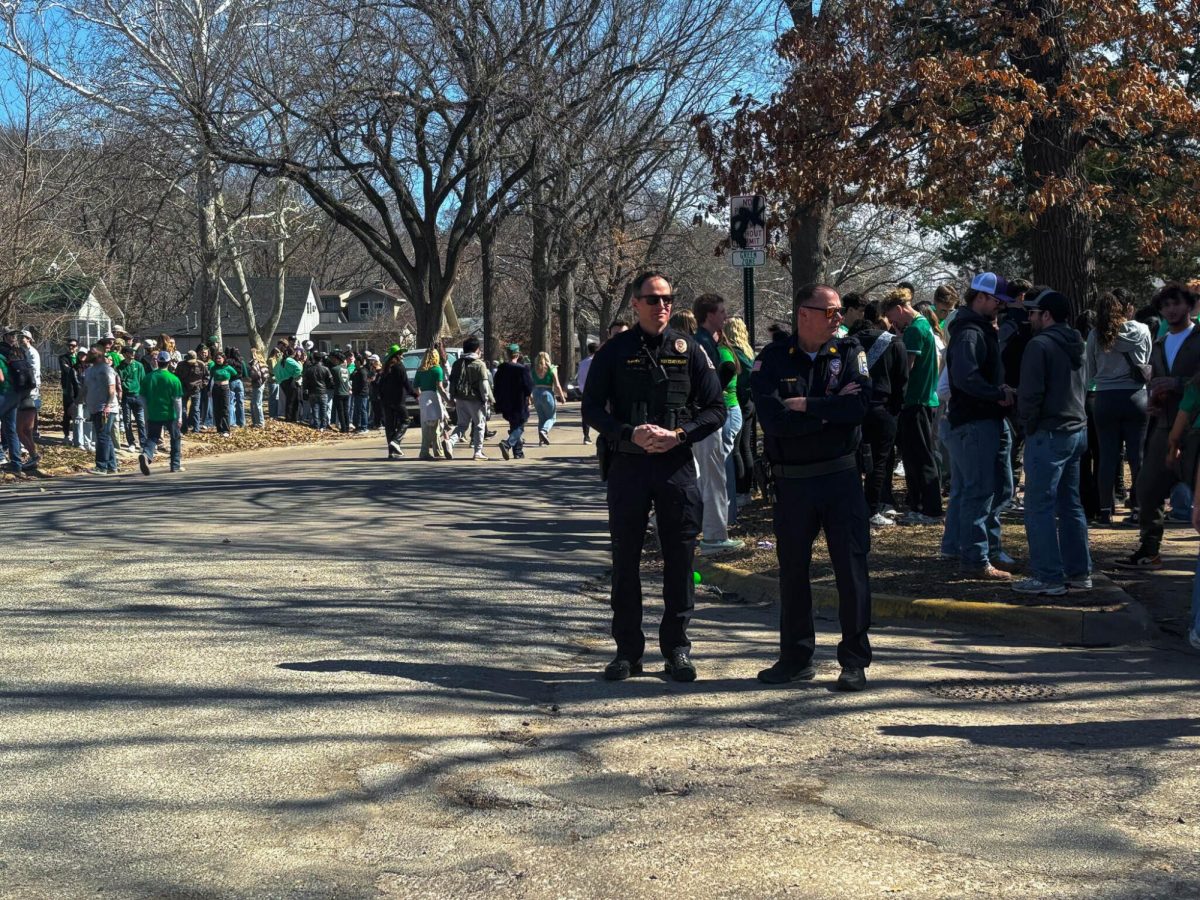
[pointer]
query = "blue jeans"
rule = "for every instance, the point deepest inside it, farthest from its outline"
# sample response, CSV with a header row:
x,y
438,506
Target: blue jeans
x,y
195,404
237,403
320,410
516,435
729,434
134,413
256,410
547,408
979,459
360,412
273,402
154,431
106,450
1196,599
1055,523
206,410
950,532
8,425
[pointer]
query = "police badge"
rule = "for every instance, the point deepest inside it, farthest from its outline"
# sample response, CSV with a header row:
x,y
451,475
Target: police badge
x,y
680,345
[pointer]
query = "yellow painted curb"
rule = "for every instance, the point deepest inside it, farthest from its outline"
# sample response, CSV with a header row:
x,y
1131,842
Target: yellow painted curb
x,y
1122,622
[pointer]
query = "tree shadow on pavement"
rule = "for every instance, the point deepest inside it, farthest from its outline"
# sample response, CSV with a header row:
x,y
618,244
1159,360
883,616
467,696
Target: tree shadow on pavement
x,y
1074,736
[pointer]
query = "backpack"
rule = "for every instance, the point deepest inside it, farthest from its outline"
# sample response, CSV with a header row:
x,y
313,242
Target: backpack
x,y
20,371
460,380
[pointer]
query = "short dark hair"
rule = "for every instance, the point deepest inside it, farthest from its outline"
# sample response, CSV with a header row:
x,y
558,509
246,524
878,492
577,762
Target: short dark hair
x,y
471,344
907,286
593,347
1020,286
854,300
807,291
705,305
1173,291
871,311
945,292
616,323
641,279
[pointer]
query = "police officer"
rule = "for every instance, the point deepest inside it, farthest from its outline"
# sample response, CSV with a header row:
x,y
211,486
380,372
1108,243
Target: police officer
x,y
652,393
811,394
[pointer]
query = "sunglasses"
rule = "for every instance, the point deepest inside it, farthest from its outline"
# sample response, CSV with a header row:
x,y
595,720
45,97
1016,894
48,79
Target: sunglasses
x,y
656,299
831,312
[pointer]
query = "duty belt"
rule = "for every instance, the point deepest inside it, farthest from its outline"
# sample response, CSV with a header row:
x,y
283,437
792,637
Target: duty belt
x,y
817,469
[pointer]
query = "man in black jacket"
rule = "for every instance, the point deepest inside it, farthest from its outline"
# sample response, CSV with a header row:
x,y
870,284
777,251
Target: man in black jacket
x,y
980,440
318,382
69,378
513,387
887,364
394,391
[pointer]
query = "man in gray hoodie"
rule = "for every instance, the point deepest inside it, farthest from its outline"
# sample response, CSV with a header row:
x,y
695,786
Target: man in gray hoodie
x,y
1050,406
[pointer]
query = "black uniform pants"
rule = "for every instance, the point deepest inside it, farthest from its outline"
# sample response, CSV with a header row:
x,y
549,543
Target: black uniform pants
x,y
919,453
668,481
1154,484
803,508
878,442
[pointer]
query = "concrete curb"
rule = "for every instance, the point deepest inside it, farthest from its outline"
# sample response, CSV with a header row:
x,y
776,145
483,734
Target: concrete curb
x,y
1122,620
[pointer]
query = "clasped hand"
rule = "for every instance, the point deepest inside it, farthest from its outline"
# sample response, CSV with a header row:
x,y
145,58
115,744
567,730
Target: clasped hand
x,y
655,439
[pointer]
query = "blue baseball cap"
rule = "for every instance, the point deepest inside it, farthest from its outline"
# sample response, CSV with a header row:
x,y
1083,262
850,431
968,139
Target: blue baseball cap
x,y
164,356
991,283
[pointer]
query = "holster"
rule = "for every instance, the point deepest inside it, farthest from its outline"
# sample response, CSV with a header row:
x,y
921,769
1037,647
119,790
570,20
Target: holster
x,y
604,456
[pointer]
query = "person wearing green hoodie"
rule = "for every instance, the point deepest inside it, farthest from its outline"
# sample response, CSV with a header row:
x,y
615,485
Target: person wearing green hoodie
x,y
133,409
288,373
163,394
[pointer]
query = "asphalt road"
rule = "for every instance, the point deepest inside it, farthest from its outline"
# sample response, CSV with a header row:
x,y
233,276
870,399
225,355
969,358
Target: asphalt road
x,y
314,673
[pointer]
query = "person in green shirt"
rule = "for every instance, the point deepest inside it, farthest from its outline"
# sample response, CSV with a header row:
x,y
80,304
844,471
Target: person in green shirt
x,y
918,447
222,374
162,393
132,373
733,420
430,382
288,373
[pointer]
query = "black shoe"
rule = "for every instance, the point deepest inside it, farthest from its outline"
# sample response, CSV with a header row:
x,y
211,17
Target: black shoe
x,y
680,666
785,672
1141,558
1104,517
852,679
143,464
620,669
543,439
505,450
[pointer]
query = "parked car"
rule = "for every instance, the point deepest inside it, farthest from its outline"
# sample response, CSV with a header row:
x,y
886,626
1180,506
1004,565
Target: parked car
x,y
412,362
573,390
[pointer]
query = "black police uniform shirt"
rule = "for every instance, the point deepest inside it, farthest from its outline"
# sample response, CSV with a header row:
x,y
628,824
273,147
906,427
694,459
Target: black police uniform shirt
x,y
829,427
667,380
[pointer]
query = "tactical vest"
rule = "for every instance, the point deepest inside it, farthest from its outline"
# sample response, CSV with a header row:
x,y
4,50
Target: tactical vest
x,y
653,387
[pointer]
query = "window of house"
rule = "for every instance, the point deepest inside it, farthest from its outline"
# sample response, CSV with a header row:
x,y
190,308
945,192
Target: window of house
x,y
379,307
364,310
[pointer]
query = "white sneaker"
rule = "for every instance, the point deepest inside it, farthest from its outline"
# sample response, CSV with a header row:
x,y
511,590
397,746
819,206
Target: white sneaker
x,y
478,455
900,469
394,446
1080,584
712,548
890,511
879,520
1194,639
1040,588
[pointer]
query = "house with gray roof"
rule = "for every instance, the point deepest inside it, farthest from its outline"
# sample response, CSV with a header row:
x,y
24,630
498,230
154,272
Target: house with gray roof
x,y
366,317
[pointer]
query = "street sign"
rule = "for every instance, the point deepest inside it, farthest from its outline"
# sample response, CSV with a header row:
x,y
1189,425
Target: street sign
x,y
745,259
748,222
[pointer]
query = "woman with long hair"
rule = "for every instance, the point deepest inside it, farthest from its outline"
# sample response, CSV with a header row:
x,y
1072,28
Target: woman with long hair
x,y
737,337
684,321
1118,362
237,387
260,374
223,374
430,382
545,389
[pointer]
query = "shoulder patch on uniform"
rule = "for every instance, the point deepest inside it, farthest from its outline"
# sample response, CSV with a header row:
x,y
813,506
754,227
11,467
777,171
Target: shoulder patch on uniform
x,y
680,345
862,365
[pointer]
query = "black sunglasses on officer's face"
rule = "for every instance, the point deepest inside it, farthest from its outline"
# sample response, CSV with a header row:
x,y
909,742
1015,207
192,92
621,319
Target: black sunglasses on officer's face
x,y
656,299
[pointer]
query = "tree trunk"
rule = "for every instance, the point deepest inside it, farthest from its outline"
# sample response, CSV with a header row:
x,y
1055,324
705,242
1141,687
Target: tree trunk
x,y
808,237
1053,151
540,316
487,290
566,323
207,285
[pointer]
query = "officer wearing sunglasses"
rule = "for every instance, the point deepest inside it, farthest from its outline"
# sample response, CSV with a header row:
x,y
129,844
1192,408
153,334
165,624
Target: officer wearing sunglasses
x,y
811,394
651,393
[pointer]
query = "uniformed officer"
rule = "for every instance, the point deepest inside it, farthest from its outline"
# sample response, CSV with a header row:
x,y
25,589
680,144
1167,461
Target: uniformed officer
x,y
652,393
811,394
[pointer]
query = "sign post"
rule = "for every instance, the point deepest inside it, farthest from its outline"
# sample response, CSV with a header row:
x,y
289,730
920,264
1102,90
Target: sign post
x,y
748,237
